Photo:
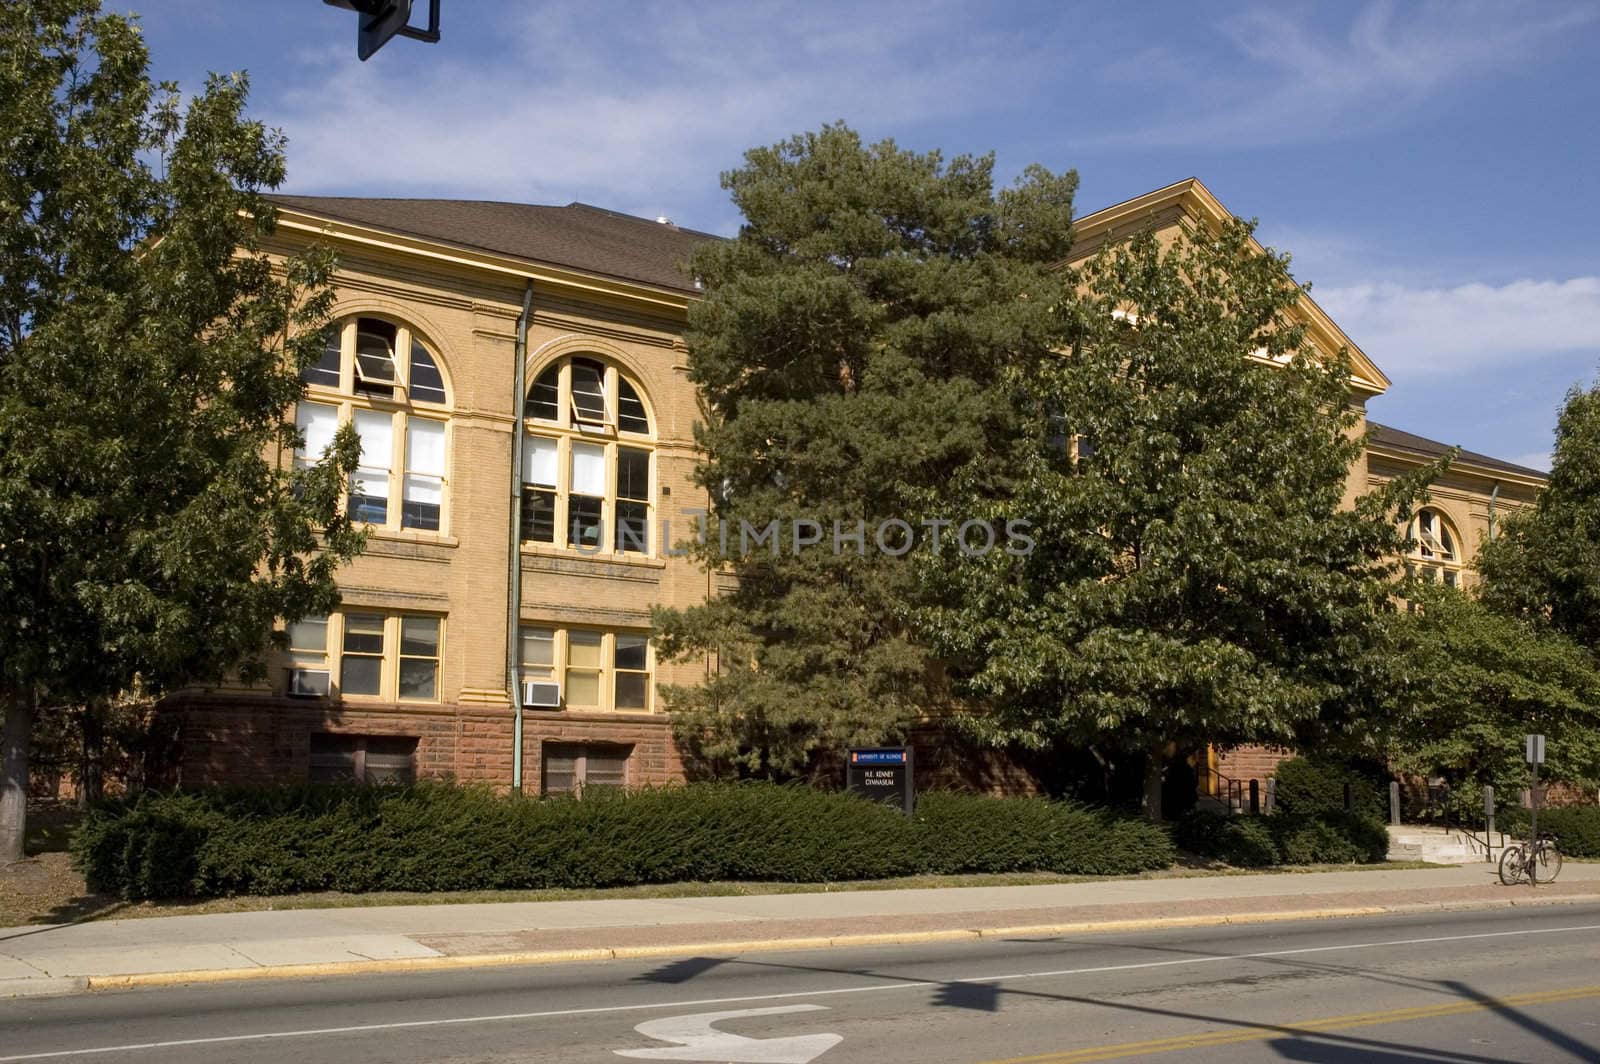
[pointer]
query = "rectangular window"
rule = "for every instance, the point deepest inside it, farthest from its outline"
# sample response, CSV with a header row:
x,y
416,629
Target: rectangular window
x,y
308,658
596,670
419,659
633,500
369,485
375,369
317,423
570,768
588,393
584,669
424,489
538,658
376,759
361,664
632,669
586,500
539,465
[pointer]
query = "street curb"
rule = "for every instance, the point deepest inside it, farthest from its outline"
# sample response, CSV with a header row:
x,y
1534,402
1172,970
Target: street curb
x,y
403,965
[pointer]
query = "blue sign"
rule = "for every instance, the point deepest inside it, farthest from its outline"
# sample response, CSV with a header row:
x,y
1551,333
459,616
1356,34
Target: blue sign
x,y
878,757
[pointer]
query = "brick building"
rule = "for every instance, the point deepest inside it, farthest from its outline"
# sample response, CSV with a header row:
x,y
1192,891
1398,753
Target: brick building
x,y
517,375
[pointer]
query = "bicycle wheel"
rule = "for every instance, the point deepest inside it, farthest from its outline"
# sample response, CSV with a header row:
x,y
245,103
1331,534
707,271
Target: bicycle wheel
x,y
1547,863
1511,865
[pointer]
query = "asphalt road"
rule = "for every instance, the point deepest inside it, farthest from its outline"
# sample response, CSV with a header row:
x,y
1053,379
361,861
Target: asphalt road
x,y
1462,987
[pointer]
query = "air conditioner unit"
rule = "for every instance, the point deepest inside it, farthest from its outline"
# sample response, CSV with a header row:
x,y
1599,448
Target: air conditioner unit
x,y
541,694
307,683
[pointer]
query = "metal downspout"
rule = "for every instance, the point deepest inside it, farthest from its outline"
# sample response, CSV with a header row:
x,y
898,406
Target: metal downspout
x,y
1494,494
514,567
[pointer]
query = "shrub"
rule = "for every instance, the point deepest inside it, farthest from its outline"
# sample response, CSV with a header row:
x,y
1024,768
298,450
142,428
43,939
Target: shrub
x,y
1284,838
1577,827
1244,841
436,837
1304,786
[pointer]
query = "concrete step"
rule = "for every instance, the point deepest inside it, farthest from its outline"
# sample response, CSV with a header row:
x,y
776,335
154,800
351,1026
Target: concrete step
x,y
1418,842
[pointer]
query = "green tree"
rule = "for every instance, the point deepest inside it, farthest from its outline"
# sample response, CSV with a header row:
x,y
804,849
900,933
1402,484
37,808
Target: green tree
x,y
1198,577
1473,683
150,530
854,347
1544,565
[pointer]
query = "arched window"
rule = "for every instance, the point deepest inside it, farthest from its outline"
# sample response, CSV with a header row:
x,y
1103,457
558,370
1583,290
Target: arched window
x,y
1435,547
382,377
587,477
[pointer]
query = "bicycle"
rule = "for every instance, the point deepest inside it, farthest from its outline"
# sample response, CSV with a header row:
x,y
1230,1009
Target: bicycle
x,y
1537,861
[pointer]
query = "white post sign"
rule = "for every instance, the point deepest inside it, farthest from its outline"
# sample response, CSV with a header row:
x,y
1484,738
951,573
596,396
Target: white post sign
x,y
1535,752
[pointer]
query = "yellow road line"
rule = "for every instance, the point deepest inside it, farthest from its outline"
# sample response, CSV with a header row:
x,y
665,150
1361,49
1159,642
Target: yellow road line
x,y
1257,1033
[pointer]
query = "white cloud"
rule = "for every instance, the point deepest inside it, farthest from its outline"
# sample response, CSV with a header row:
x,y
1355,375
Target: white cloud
x,y
637,106
1413,331
1296,83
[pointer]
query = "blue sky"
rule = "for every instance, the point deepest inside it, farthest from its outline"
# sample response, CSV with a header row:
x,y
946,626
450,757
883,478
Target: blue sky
x,y
1431,166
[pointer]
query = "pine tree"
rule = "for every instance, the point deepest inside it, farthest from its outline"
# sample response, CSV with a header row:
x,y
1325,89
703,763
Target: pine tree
x,y
854,348
150,530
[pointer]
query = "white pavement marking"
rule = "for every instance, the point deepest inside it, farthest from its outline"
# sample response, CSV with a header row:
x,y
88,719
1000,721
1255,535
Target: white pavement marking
x,y
873,988
698,1040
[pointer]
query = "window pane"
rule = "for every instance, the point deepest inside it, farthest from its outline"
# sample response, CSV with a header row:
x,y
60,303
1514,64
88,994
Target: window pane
x,y
333,758
376,430
423,503
369,485
427,384
425,447
630,410
633,527
363,633
631,651
588,469
539,461
583,649
544,401
633,474
325,371
360,675
317,422
583,514
605,766
583,688
632,690
538,516
560,770
419,636
588,390
375,369
419,679
538,647
309,634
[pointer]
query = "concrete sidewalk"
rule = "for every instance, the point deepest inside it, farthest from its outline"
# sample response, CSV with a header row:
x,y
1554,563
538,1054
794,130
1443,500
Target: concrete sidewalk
x,y
300,943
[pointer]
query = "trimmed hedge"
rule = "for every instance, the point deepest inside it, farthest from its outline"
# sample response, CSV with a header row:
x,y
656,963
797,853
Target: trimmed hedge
x,y
1577,827
1284,838
437,837
1309,786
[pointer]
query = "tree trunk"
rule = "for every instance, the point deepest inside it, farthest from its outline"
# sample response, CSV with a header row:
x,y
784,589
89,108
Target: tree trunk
x,y
91,764
15,734
1150,803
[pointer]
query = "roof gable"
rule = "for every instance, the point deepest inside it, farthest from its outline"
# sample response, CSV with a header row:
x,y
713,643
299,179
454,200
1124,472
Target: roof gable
x,y
1192,201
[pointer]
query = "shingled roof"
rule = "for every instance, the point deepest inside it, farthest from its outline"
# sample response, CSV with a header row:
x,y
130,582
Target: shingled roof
x,y
576,237
1400,440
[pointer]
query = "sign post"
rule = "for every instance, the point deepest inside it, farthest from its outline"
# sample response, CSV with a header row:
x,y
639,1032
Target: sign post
x,y
1535,757
882,774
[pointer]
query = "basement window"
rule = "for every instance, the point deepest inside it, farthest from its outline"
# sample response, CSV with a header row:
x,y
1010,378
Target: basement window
x,y
369,759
